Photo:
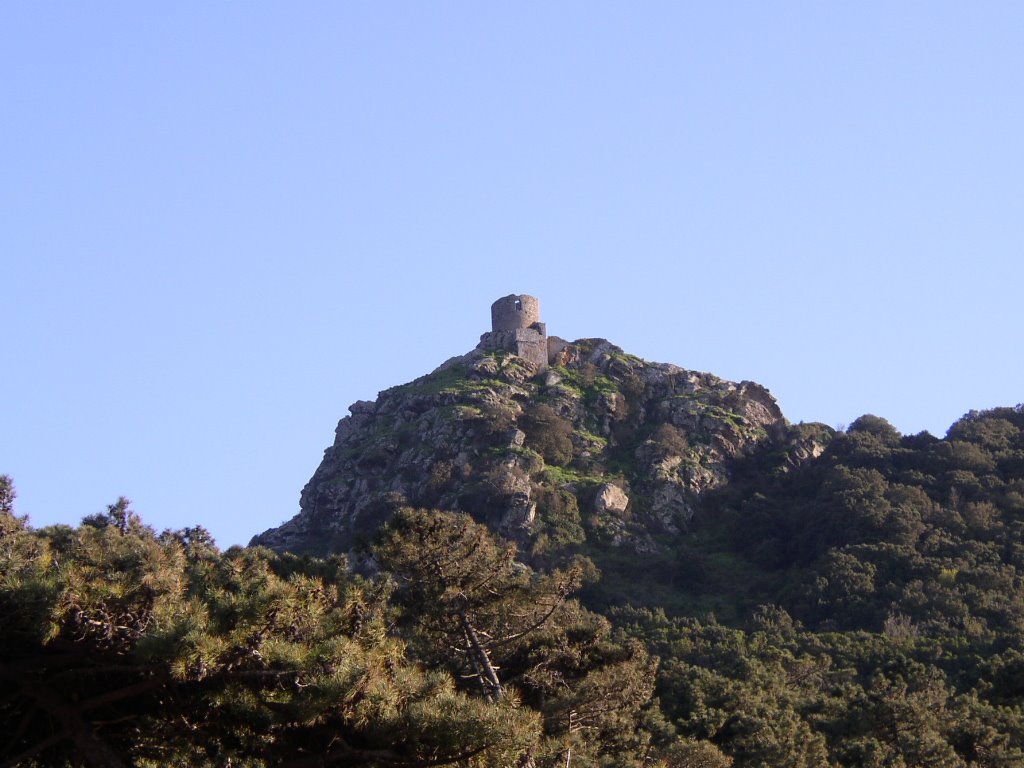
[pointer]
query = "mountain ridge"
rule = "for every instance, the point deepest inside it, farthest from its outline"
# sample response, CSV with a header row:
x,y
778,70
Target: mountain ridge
x,y
598,445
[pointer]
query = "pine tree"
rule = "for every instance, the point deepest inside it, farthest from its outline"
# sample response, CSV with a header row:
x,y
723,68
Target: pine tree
x,y
511,632
124,648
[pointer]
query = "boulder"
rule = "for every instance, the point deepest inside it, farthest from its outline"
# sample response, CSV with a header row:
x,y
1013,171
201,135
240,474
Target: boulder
x,y
610,498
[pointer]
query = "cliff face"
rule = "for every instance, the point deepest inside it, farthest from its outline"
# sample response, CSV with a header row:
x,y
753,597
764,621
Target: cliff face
x,y
601,449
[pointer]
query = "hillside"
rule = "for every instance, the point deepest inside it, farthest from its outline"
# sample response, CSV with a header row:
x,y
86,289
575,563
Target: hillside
x,y
601,447
801,586
549,554
689,493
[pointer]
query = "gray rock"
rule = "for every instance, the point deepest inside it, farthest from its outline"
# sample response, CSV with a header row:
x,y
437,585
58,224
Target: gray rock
x,y
453,440
610,498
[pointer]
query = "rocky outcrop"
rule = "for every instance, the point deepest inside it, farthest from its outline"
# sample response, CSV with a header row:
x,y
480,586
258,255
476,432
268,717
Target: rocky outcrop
x,y
610,499
600,447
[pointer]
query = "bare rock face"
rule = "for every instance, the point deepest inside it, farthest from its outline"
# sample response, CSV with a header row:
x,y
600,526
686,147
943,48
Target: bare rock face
x,y
671,507
610,498
543,454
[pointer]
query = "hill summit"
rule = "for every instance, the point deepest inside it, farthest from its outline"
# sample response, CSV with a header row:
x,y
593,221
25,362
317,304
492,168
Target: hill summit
x,y
553,444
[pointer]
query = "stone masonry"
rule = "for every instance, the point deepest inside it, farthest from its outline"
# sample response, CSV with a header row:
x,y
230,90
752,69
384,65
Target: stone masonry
x,y
516,328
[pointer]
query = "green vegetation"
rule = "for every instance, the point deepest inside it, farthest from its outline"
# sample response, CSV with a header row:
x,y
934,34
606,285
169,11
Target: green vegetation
x,y
510,633
836,600
495,369
122,647
548,433
895,571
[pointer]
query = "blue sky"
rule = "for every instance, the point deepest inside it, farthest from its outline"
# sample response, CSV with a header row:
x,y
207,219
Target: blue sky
x,y
222,223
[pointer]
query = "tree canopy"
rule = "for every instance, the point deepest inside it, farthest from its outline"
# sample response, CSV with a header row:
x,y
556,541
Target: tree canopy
x,y
862,608
122,647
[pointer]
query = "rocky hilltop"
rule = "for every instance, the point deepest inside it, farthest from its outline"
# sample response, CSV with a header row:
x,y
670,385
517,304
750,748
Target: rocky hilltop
x,y
594,448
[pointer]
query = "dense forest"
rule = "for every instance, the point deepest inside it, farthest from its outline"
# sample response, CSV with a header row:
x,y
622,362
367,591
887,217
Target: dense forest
x,y
864,608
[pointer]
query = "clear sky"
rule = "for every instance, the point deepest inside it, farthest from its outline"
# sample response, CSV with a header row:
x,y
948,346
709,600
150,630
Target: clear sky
x,y
222,223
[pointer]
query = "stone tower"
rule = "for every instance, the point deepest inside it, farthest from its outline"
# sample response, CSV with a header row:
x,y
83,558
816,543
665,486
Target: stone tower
x,y
516,328
514,312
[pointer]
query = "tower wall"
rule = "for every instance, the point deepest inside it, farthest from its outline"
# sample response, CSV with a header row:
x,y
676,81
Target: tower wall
x,y
516,328
514,312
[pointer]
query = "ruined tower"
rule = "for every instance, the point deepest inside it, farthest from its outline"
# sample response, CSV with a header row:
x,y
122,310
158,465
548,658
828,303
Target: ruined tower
x,y
514,312
516,328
